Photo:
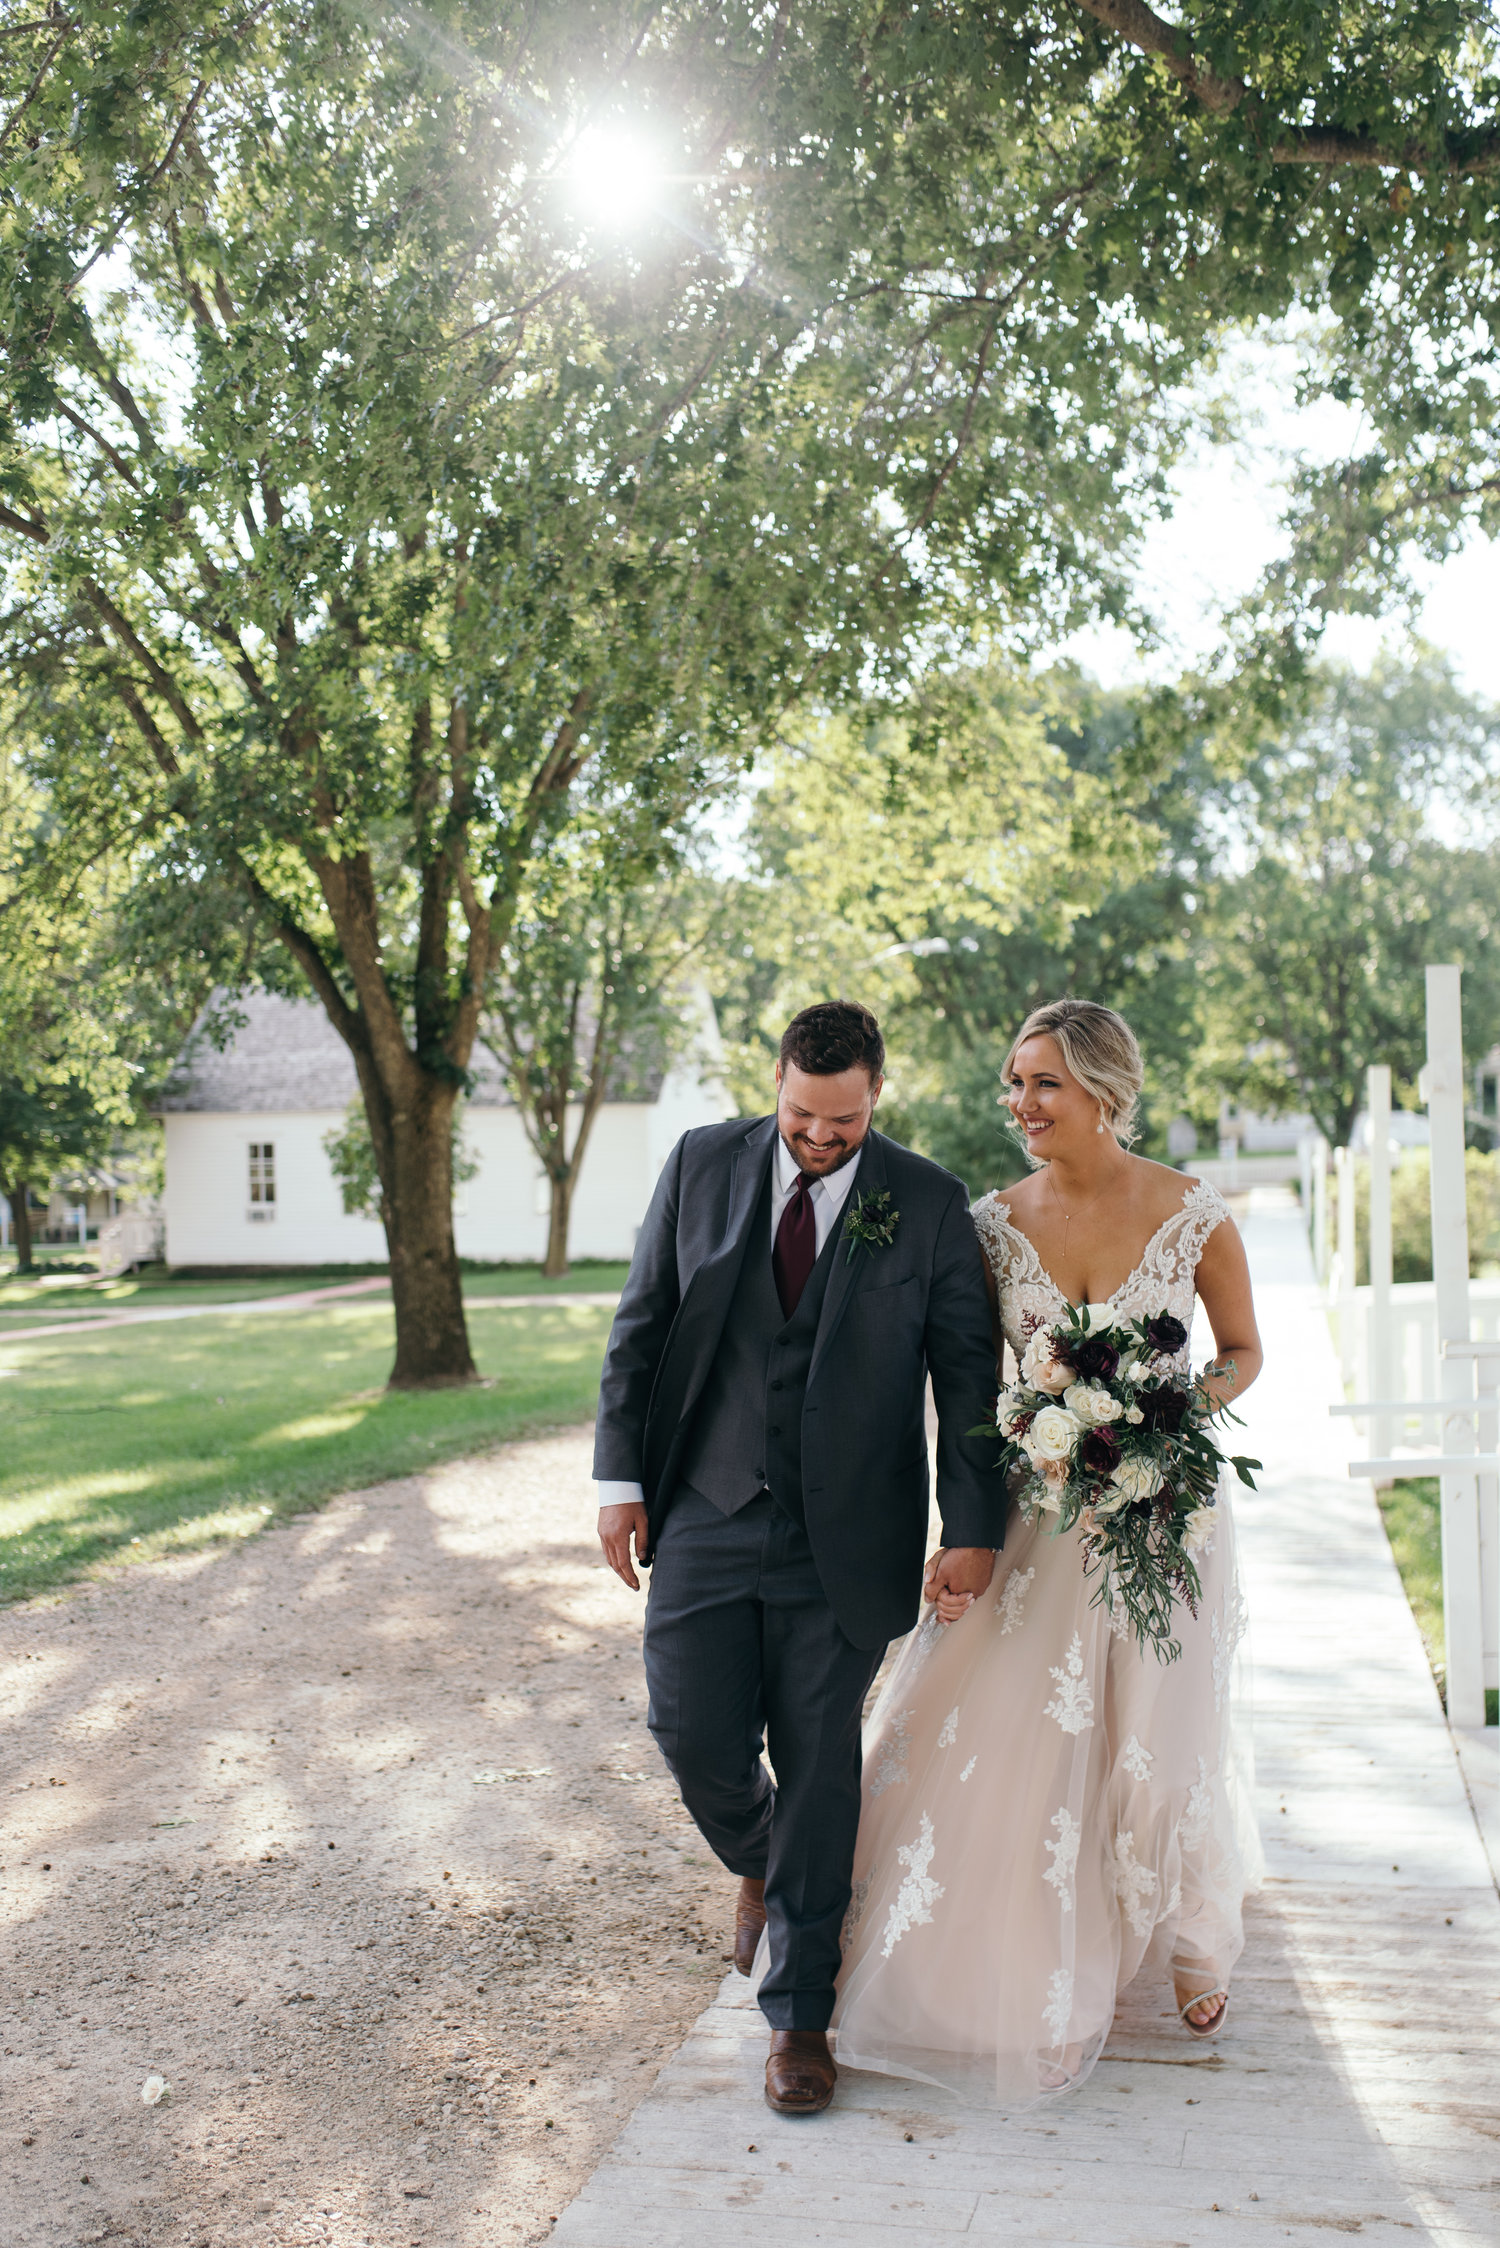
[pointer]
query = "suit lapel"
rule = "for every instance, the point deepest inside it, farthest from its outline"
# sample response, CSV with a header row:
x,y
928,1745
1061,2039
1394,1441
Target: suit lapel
x,y
747,1174
848,1272
705,1303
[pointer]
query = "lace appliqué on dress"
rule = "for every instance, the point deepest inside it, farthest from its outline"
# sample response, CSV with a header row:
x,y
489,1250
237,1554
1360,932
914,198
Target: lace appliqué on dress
x,y
890,1765
1064,1855
1192,1827
1136,1759
968,1768
1073,1704
859,1897
1164,1280
1010,1609
1135,1885
1059,2004
1226,1638
918,1893
949,1734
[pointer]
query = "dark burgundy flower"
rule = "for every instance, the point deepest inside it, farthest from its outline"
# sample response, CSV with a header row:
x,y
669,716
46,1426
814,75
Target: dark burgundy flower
x,y
1096,1359
1165,1334
1100,1450
1162,1408
1061,1348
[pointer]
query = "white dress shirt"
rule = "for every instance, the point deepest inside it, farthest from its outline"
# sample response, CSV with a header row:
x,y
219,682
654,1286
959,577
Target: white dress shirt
x,y
828,1196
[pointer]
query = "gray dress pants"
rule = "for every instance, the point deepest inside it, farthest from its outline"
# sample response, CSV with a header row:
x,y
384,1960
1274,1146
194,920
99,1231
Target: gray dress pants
x,y
742,1652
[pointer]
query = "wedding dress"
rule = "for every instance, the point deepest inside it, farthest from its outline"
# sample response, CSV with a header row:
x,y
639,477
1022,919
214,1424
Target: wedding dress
x,y
1048,1809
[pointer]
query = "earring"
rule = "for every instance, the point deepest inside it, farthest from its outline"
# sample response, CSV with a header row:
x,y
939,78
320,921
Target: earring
x,y
1100,1125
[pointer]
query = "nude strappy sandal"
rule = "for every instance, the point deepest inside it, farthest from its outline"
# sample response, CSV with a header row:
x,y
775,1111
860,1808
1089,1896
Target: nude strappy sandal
x,y
1205,2029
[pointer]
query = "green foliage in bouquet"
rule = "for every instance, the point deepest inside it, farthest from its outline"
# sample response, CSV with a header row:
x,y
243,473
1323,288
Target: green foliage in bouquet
x,y
1111,1437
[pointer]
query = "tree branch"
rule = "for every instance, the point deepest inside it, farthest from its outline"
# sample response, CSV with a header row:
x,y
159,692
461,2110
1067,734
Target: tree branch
x,y
308,955
155,740
166,686
35,87
1329,144
115,458
1143,28
24,524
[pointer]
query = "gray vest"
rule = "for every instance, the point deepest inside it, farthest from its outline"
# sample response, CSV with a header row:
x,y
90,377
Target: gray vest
x,y
747,1430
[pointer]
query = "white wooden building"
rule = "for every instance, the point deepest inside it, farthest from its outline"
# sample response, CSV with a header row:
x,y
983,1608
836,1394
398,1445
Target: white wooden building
x,y
248,1180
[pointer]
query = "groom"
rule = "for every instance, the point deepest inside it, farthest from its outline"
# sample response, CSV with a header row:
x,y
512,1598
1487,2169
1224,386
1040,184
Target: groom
x,y
761,1439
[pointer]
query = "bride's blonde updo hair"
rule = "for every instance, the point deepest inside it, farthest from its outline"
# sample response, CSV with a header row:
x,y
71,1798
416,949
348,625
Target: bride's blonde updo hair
x,y
1099,1048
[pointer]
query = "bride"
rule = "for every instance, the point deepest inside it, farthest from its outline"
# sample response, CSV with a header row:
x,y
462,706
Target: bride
x,y
1047,1808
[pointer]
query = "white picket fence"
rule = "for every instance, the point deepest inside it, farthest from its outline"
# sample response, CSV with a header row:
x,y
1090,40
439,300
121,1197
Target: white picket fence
x,y
1411,1350
1424,1357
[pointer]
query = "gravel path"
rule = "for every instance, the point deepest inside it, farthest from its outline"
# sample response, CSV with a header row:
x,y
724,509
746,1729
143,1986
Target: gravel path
x,y
355,1835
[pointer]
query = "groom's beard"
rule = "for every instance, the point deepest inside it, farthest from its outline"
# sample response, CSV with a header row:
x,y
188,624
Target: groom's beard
x,y
812,1157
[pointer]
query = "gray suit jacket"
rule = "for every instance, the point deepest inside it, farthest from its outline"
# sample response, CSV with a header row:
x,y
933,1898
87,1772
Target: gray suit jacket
x,y
890,1316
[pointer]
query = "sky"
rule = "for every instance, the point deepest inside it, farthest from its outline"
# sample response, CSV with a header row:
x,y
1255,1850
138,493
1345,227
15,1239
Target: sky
x,y
1225,530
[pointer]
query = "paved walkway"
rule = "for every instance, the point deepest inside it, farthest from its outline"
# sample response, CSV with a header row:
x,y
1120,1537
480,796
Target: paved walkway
x,y
1355,2088
302,1299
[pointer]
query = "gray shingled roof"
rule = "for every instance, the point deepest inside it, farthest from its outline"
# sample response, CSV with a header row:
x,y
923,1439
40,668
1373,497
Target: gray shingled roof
x,y
286,1055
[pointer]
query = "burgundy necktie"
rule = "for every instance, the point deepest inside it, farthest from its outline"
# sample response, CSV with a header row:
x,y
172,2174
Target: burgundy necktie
x,y
796,1250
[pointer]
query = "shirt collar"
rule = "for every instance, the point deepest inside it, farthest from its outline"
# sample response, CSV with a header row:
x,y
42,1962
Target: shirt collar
x,y
835,1187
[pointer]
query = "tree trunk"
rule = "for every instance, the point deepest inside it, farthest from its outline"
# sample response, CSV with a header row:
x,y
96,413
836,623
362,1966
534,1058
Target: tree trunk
x,y
19,1198
557,1224
414,1152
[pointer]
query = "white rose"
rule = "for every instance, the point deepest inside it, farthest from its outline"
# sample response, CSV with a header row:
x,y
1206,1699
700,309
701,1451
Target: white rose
x,y
1136,1479
1134,1372
1040,1368
1091,1403
1199,1528
1135,1416
1052,1434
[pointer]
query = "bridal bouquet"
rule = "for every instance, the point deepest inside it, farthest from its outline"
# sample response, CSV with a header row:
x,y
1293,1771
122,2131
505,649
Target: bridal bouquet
x,y
1110,1436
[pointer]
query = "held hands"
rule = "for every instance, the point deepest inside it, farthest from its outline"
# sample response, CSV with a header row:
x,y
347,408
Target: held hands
x,y
954,1578
617,1526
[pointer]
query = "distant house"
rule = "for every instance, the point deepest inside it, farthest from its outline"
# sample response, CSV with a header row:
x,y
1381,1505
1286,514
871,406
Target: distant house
x,y
248,1180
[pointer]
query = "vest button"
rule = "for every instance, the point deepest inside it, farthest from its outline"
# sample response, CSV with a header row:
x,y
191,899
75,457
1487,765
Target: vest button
x,y
777,1385
773,1432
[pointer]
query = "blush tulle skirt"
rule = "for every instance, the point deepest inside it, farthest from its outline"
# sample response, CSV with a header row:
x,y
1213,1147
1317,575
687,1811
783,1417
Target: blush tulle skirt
x,y
1048,1812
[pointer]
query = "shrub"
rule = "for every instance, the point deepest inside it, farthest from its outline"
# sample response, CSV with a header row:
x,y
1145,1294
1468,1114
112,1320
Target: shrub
x,y
1411,1214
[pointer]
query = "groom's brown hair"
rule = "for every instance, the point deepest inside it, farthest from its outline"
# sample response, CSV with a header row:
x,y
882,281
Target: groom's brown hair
x,y
836,1035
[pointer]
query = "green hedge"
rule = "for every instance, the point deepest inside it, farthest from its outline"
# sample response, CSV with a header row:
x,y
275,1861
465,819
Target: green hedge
x,y
1411,1215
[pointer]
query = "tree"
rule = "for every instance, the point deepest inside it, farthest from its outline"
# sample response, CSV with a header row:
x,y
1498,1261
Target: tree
x,y
1352,881
590,1001
69,1039
373,495
936,861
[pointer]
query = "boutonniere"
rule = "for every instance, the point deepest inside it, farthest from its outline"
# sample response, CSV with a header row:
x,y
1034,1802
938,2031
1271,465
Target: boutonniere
x,y
871,1222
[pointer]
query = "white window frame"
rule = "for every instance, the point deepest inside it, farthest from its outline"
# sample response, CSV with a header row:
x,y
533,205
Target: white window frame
x,y
260,1207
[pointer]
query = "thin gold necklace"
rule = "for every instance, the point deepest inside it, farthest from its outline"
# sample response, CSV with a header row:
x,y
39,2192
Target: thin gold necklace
x,y
1067,1215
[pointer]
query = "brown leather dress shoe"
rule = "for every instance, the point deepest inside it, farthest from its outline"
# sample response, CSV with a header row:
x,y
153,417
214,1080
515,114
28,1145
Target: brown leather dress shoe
x,y
800,2075
749,1919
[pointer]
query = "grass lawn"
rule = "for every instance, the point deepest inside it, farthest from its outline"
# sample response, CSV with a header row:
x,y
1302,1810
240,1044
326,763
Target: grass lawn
x,y
53,1295
165,1438
1410,1510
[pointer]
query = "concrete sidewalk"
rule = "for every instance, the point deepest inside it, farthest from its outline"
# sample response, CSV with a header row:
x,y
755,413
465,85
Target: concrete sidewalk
x,y
1355,2087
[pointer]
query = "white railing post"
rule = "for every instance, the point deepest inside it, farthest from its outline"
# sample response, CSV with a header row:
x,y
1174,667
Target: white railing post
x,y
1343,1278
1320,1208
1443,1089
1378,1371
